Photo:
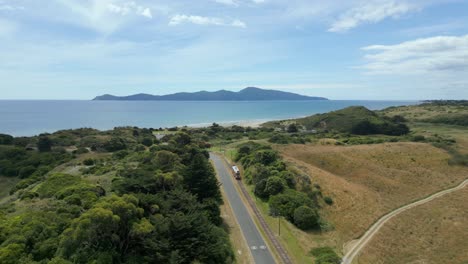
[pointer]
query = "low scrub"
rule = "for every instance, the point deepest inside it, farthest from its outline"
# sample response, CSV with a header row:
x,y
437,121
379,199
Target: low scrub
x,y
325,255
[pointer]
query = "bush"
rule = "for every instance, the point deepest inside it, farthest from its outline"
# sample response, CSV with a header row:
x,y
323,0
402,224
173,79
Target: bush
x,y
147,141
325,255
279,139
259,189
6,139
81,150
44,144
120,154
274,185
115,144
88,162
418,138
292,128
328,200
286,203
140,148
306,218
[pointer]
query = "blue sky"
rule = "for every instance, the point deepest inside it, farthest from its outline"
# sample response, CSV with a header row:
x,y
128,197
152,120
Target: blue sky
x,y
342,49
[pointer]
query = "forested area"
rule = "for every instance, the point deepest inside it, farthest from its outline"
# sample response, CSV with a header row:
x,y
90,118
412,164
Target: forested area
x,y
161,206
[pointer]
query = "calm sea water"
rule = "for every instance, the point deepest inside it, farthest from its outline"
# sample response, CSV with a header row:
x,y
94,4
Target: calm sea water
x,y
27,118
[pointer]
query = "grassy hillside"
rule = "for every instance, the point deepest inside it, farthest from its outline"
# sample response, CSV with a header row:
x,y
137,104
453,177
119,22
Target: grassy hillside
x,y
435,232
356,120
438,112
368,180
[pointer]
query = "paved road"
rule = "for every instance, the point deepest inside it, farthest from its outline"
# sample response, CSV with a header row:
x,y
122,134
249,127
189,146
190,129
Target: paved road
x,y
360,244
260,252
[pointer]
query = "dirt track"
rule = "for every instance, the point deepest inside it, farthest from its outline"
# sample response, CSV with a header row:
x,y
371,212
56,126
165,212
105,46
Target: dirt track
x,y
361,243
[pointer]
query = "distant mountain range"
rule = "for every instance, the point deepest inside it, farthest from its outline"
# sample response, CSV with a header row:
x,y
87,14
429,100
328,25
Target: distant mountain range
x,y
247,94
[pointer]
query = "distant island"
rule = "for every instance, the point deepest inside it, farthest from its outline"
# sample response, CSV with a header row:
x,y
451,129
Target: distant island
x,y
247,94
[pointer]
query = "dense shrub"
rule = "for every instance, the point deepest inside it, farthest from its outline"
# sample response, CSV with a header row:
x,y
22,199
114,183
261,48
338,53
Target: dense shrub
x,y
325,255
6,139
306,218
81,150
89,162
115,144
328,200
292,128
286,203
16,161
44,144
274,185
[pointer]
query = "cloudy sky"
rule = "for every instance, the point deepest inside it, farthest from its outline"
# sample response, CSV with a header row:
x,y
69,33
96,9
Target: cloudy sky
x,y
341,49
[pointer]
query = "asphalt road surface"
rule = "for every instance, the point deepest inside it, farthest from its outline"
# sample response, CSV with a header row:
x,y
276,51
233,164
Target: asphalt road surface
x,y
258,247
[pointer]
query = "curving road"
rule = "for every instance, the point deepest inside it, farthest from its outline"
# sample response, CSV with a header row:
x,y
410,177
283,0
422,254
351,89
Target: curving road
x,y
361,243
259,250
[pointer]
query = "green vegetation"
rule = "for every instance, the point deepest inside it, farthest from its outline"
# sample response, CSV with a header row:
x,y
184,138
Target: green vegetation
x,y
6,139
449,119
449,112
325,255
160,206
355,120
289,195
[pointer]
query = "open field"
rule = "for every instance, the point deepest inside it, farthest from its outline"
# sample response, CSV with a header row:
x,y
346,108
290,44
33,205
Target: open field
x,y
435,232
416,113
459,133
367,181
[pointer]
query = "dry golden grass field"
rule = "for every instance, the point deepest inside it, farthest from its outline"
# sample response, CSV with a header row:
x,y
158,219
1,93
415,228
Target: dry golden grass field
x,y
367,181
435,232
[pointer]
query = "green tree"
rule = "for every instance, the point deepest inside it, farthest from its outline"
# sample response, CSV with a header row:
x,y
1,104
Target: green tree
x,y
115,144
274,185
166,160
286,203
306,218
260,189
44,144
147,141
6,139
200,179
104,232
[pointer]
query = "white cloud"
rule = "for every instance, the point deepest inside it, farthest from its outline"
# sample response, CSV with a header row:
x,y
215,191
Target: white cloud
x,y
147,13
238,2
202,20
227,2
105,16
371,12
448,54
5,7
131,7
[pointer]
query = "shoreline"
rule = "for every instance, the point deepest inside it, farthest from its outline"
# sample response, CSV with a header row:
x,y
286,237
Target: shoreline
x,y
108,118
254,123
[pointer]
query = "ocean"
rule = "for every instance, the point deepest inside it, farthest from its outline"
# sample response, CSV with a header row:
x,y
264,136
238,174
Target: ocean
x,y
27,118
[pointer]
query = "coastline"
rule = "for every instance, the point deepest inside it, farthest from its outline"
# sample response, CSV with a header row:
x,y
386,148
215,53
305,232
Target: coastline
x,y
29,118
254,123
